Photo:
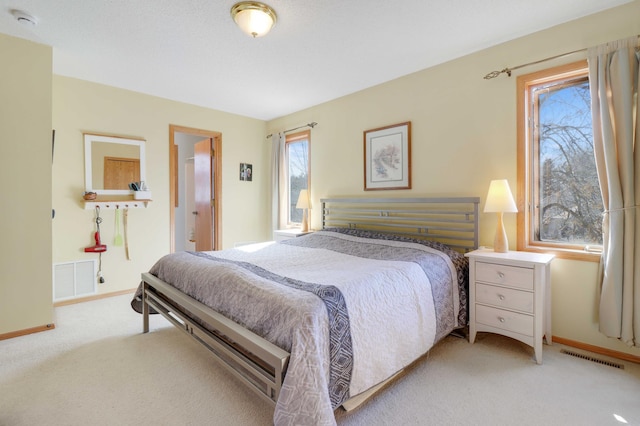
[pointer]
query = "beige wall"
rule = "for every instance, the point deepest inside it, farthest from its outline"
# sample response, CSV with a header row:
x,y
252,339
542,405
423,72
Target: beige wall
x,y
25,178
80,106
463,136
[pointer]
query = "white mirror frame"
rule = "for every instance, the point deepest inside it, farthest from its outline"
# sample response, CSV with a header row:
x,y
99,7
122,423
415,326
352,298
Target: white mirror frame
x,y
88,172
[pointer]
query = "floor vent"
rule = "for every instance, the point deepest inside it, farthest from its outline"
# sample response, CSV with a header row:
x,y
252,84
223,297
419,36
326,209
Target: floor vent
x,y
590,358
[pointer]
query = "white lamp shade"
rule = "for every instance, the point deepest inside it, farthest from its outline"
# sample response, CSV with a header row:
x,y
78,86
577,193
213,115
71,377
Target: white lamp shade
x,y
254,18
303,200
499,198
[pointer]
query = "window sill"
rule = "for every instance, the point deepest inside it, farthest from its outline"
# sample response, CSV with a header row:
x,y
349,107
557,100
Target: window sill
x,y
561,253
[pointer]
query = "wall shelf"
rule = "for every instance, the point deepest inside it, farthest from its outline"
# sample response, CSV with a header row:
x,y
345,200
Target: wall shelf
x,y
115,202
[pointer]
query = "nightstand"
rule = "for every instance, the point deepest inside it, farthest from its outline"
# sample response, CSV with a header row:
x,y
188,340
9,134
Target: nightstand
x,y
285,234
510,294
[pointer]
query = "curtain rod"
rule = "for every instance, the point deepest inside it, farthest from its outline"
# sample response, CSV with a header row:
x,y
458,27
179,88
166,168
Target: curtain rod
x,y
312,125
507,70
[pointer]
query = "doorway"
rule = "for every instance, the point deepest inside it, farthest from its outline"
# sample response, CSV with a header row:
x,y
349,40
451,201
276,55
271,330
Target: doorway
x,y
191,227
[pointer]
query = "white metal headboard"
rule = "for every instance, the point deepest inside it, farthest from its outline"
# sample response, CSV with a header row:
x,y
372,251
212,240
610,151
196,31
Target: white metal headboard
x,y
452,221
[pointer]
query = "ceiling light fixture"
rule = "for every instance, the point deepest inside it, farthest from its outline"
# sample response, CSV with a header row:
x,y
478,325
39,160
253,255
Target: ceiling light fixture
x,y
254,18
24,18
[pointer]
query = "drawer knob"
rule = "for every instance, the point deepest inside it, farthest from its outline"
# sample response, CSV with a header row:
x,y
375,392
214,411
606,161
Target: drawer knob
x,y
501,274
501,297
501,319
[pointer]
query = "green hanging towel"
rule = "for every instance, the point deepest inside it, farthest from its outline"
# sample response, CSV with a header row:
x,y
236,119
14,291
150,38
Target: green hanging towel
x,y
117,240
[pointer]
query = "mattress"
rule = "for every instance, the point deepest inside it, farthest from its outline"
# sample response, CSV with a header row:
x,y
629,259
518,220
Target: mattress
x,y
351,307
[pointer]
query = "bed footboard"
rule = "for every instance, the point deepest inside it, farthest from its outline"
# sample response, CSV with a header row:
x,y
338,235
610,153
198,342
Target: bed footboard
x,y
256,361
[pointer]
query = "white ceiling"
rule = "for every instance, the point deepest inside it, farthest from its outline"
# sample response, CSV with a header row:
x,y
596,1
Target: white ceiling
x,y
191,50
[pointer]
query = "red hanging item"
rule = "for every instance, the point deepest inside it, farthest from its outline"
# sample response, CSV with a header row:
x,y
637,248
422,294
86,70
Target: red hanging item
x,y
98,247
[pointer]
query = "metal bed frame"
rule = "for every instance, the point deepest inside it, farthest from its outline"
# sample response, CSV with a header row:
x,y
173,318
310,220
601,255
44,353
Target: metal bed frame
x,y
452,221
259,363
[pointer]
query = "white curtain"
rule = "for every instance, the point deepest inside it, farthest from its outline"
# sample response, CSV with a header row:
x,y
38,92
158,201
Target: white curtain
x,y
278,182
613,77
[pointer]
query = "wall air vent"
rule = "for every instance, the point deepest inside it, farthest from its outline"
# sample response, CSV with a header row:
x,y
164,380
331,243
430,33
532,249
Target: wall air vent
x,y
74,279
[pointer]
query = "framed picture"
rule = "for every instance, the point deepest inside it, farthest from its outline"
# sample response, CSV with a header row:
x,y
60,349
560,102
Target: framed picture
x,y
387,157
246,170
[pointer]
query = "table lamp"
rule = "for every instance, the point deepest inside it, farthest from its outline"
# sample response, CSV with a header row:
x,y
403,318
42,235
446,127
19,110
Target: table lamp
x,y
305,204
500,200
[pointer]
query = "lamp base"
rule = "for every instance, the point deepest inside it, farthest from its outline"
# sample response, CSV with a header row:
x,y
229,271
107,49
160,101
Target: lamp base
x,y
500,244
305,221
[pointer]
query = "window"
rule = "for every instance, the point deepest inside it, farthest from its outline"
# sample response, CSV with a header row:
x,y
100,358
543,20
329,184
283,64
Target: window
x,y
561,206
297,160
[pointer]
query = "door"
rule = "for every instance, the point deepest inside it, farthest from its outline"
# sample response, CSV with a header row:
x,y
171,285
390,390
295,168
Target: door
x,y
120,172
203,183
189,228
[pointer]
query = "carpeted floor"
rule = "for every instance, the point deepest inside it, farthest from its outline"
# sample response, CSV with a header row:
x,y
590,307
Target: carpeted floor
x,y
96,368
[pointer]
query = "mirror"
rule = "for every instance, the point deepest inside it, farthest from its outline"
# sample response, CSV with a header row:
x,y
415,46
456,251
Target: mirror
x,y
111,163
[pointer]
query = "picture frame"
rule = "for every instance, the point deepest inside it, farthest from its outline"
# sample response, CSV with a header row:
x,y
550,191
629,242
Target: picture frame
x,y
246,172
387,157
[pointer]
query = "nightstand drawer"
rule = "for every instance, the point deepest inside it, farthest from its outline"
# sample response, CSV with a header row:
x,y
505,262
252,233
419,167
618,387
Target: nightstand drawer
x,y
504,297
506,275
506,320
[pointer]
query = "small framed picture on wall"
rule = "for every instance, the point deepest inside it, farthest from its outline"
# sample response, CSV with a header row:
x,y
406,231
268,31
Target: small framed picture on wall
x,y
246,171
387,157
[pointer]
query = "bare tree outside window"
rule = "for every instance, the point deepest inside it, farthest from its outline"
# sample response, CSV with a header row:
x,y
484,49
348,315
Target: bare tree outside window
x,y
563,204
298,171
570,204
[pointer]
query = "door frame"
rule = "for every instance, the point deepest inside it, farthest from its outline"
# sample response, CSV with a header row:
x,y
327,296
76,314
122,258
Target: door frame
x,y
216,138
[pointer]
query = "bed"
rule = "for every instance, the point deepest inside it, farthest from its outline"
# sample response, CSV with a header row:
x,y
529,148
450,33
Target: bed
x,y
323,320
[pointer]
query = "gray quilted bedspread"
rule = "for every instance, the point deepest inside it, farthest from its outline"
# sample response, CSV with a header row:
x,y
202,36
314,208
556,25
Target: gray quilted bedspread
x,y
332,300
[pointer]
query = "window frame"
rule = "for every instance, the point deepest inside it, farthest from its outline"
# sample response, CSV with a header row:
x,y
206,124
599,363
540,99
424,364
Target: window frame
x,y
293,138
526,154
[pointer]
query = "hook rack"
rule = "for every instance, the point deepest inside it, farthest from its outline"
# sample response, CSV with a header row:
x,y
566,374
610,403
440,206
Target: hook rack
x,y
124,204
